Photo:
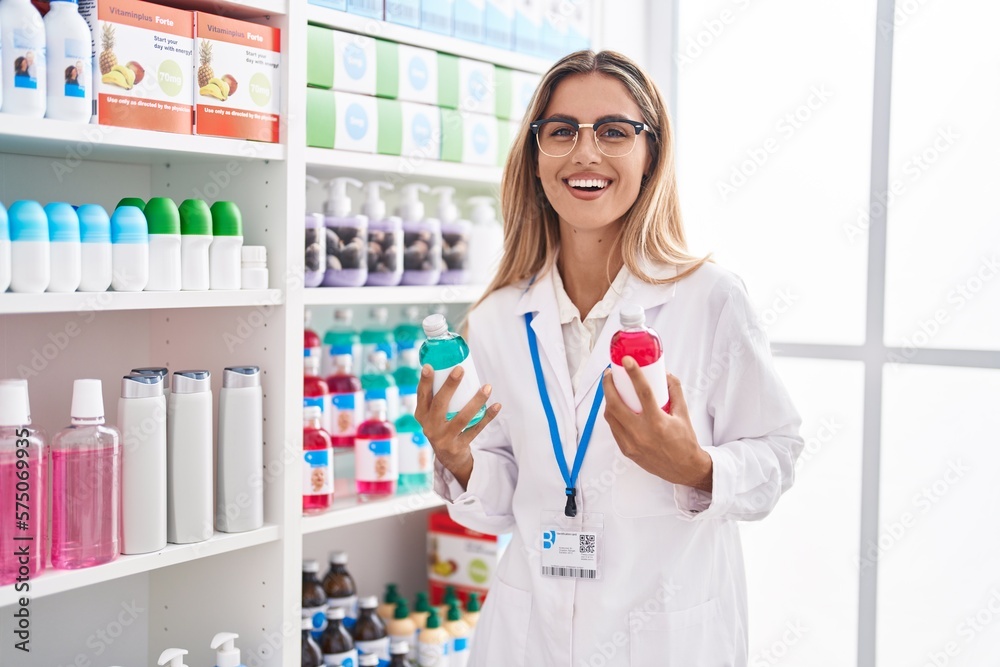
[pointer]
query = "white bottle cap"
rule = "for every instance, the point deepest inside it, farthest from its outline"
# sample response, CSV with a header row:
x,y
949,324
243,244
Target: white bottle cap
x,y
226,654
343,315
367,602
335,613
338,557
399,648
377,406
21,382
410,207
368,660
374,206
253,254
310,565
311,413
447,211
13,404
632,316
192,382
239,377
339,204
435,326
175,656
88,400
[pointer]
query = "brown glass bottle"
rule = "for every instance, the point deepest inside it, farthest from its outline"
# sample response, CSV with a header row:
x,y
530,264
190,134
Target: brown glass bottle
x,y
399,655
313,596
370,634
311,655
336,641
339,587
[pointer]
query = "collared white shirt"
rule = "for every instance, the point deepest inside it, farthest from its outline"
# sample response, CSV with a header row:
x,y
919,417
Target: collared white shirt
x,y
579,336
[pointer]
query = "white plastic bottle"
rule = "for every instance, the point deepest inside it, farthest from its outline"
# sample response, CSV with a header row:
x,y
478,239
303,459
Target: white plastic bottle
x,y
64,247
227,239
196,239
173,657
29,247
253,274
129,250
70,72
95,248
4,250
156,371
163,222
485,242
455,235
239,482
189,458
22,34
226,653
142,421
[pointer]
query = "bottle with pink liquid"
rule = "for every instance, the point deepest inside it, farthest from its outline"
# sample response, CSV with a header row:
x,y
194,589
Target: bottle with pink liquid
x,y
22,487
317,463
643,344
315,391
86,484
376,453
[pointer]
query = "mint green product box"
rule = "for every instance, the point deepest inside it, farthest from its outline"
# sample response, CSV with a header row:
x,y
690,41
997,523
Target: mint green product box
x,y
470,20
514,90
528,27
370,8
321,117
448,84
355,122
409,130
469,138
437,16
498,26
476,86
507,132
363,65
403,12
319,57
406,73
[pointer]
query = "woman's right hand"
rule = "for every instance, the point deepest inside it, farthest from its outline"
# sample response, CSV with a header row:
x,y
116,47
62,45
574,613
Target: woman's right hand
x,y
452,445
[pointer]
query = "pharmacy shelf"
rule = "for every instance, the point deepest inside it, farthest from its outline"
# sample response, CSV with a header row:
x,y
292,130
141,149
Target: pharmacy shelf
x,y
348,511
427,40
71,143
241,9
51,582
75,302
322,161
392,296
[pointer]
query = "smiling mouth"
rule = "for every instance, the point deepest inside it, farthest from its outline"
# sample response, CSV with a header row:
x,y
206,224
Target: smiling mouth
x,y
587,184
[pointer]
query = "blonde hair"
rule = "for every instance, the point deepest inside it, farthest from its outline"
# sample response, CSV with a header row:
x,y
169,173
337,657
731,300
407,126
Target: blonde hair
x,y
653,229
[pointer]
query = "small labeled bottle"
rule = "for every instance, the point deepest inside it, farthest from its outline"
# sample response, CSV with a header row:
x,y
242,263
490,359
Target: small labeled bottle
x,y
313,597
253,271
376,454
317,463
30,270
369,632
196,241
16,434
227,240
67,43
142,422
336,643
86,484
459,631
315,392
95,248
129,250
455,235
342,333
443,350
346,238
400,653
421,610
643,344
4,250
24,78
312,656
226,653
164,224
239,489
450,595
346,407
64,247
401,626
341,591
433,644
416,457
421,238
315,258
388,604
472,611
190,511
385,239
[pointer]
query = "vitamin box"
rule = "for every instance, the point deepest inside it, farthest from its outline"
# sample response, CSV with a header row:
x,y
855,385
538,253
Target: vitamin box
x,y
236,78
143,58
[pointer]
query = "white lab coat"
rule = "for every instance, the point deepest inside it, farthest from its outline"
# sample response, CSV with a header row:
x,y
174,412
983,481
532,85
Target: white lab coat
x,y
672,590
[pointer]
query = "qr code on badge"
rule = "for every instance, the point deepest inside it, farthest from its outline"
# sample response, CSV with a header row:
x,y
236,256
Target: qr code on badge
x,y
587,543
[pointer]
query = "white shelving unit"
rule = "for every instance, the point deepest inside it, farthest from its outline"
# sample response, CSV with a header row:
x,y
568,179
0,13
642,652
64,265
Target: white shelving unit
x,y
247,583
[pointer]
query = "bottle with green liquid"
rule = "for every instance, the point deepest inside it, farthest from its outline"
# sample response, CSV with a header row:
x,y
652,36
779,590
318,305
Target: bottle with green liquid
x,y
378,347
444,350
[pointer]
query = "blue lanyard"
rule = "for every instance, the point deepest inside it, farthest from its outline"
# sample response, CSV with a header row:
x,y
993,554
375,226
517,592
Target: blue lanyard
x,y
581,450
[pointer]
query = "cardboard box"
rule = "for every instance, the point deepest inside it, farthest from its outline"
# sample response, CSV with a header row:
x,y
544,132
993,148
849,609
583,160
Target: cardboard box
x,y
437,16
470,20
514,90
470,138
341,120
403,12
370,8
460,557
319,57
476,86
351,63
528,27
448,81
498,26
411,73
237,79
143,63
409,129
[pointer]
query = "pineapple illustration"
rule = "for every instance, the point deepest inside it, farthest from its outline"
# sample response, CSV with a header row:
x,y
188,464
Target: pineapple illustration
x,y
205,73
108,58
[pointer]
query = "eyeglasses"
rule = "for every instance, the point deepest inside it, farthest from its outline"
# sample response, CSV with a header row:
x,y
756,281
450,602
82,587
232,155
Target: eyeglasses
x,y
615,137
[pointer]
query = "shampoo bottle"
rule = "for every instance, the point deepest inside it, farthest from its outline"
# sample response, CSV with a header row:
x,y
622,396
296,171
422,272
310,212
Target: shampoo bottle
x,y
455,235
172,657
4,250
315,257
95,248
164,223
643,344
227,240
346,238
64,247
22,34
189,458
421,238
196,240
86,484
142,422
385,239
29,247
486,242
129,250
70,70
239,486
444,350
226,653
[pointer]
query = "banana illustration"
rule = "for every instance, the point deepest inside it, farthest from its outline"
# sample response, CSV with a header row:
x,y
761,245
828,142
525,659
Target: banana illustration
x,y
212,90
223,86
116,78
127,72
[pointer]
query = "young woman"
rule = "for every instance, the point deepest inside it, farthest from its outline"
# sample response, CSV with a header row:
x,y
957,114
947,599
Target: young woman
x,y
649,571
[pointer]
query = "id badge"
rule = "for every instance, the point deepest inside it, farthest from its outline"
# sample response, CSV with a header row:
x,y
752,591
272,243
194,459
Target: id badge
x,y
572,547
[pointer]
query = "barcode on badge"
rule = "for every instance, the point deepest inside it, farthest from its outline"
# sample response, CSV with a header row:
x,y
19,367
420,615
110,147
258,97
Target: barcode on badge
x,y
574,572
587,543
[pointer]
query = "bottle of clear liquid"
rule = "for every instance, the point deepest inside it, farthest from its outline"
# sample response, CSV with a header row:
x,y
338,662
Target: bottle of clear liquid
x,y
336,643
317,464
313,596
86,484
311,654
376,454
370,635
416,458
341,591
16,435
643,344
444,350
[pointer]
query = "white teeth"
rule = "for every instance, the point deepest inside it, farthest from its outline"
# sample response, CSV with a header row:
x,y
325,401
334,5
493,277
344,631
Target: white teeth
x,y
588,183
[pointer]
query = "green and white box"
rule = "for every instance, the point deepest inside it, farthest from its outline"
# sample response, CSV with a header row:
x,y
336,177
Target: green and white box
x,y
341,120
354,63
470,138
476,86
514,90
417,73
447,81
409,129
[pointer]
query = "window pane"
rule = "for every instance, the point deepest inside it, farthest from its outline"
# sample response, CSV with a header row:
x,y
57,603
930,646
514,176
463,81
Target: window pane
x,y
942,282
774,131
939,509
800,561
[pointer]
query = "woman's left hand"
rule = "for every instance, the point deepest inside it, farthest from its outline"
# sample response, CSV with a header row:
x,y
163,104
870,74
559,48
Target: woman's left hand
x,y
663,444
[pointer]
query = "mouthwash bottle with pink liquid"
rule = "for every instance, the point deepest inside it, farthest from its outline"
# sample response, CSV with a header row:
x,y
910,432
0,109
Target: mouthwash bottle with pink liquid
x,y
346,406
376,454
22,487
444,350
86,484
315,391
643,344
317,463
